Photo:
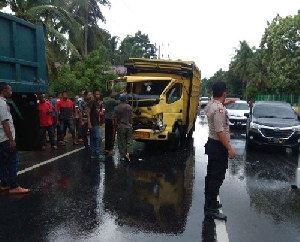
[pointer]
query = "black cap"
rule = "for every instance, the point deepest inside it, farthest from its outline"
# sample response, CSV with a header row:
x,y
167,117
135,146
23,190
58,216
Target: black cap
x,y
219,86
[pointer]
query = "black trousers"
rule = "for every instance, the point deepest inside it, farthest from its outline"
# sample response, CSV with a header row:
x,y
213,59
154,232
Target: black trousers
x,y
109,135
216,170
84,131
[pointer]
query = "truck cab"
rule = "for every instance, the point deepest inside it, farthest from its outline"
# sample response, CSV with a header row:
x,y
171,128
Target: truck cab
x,y
164,97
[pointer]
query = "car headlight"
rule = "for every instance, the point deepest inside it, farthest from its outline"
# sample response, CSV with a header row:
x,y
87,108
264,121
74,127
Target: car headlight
x,y
296,128
254,126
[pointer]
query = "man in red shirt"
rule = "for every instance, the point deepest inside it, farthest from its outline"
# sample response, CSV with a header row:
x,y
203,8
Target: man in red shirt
x,y
46,121
65,115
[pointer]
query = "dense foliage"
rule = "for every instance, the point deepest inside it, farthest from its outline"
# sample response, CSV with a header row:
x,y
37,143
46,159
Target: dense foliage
x,y
84,51
79,53
274,68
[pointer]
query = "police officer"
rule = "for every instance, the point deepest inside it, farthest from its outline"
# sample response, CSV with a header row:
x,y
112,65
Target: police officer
x,y
217,148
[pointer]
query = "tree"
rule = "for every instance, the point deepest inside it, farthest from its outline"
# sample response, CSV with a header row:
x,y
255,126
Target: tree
x,y
91,73
57,21
281,55
258,81
239,66
206,84
88,13
138,46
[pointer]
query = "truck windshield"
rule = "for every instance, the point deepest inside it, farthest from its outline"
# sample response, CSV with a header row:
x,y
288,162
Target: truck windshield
x,y
147,88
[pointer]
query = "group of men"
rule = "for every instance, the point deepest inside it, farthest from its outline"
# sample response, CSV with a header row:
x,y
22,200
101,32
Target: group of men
x,y
117,118
60,115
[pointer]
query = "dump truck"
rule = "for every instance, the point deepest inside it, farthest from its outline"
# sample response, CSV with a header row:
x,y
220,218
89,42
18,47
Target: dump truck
x,y
164,95
23,67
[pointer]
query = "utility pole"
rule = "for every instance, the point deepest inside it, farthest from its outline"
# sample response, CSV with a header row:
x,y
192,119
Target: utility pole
x,y
159,52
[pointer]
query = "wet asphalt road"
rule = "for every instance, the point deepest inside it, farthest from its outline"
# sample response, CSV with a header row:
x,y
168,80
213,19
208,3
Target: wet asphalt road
x,y
157,197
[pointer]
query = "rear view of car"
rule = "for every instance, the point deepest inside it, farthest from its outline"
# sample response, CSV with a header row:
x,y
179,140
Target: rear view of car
x,y
236,112
273,123
203,102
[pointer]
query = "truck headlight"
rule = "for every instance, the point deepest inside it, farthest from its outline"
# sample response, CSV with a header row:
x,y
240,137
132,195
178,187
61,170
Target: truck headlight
x,y
254,126
160,124
296,128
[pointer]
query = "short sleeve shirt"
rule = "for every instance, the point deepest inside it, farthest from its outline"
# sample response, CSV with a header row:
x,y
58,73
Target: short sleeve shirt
x,y
218,120
123,113
53,104
110,104
65,108
83,106
45,117
94,114
5,115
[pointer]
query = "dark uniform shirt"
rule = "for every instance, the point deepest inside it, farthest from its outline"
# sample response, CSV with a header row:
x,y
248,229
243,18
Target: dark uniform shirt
x,y
218,119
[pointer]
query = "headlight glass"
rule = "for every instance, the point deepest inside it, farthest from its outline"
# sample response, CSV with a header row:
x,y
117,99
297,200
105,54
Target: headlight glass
x,y
296,128
254,126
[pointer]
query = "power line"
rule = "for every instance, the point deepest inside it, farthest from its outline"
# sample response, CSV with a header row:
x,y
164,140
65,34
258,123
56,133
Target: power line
x,y
135,15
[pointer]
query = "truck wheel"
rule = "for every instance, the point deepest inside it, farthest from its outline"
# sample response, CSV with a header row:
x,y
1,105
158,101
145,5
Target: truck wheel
x,y
176,142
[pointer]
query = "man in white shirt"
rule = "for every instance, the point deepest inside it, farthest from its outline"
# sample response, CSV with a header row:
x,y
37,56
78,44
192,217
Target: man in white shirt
x,y
8,153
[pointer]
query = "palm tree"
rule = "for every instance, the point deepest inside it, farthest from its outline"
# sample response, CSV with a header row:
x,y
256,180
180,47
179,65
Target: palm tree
x,y
88,13
58,22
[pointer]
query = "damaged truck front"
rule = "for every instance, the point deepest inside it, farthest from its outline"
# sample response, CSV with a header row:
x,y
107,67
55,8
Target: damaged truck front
x,y
164,95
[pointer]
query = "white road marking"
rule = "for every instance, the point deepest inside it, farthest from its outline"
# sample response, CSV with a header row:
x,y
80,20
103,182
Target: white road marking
x,y
49,161
221,231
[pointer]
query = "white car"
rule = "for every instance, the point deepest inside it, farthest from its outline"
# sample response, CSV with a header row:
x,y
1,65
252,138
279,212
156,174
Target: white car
x,y
236,112
203,101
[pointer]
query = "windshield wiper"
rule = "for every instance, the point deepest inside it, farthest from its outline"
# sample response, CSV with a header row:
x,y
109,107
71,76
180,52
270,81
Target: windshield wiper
x,y
288,118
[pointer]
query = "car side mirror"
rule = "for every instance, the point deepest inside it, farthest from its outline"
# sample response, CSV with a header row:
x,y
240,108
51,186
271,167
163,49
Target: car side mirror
x,y
247,115
298,117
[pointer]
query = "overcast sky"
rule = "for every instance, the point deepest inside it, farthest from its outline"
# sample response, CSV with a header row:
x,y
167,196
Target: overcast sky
x,y
206,32
202,31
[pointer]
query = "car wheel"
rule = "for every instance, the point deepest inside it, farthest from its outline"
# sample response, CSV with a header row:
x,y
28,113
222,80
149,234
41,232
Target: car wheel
x,y
249,143
295,150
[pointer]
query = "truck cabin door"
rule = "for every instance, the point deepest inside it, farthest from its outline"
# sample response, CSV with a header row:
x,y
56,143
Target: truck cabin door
x,y
174,98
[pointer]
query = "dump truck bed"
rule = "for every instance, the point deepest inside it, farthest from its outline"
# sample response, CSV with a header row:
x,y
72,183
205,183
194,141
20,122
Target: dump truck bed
x,y
22,55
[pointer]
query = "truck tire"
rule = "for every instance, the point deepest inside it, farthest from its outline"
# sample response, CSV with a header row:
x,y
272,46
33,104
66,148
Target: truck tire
x,y
175,143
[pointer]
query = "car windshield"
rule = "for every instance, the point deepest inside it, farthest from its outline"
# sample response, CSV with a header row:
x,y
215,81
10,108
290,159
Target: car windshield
x,y
270,111
237,106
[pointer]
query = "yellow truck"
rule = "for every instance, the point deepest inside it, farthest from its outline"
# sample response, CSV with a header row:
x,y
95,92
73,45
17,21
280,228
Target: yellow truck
x,y
164,95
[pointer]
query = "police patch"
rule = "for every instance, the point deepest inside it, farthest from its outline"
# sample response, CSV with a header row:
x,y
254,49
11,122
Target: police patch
x,y
221,110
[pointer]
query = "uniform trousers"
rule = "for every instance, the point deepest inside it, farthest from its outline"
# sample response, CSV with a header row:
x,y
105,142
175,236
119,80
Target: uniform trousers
x,y
216,170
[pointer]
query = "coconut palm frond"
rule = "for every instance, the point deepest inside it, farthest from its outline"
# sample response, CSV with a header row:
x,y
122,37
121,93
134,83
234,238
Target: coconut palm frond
x,y
55,13
60,38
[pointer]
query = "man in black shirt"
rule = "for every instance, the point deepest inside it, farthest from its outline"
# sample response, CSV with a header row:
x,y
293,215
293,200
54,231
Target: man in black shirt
x,y
94,125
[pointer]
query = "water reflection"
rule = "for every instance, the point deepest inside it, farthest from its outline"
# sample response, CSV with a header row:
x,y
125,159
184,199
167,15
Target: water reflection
x,y
268,181
63,204
154,193
209,230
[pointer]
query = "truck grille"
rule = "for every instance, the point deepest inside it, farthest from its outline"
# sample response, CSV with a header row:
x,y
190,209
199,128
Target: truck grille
x,y
276,133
